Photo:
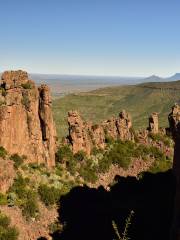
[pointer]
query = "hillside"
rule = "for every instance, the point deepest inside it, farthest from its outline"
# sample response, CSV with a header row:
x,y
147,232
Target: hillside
x,y
139,100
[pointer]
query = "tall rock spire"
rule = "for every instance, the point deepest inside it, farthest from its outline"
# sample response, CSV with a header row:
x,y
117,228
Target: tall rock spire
x,y
26,123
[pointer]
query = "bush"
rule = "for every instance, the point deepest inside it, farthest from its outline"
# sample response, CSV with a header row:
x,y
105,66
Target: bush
x,y
7,232
161,138
18,161
20,187
3,152
64,154
80,156
104,164
25,101
121,153
49,195
88,172
3,199
30,206
27,85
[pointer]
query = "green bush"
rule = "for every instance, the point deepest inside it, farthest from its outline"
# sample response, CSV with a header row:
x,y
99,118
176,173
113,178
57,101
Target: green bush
x,y
49,195
30,205
88,172
121,153
161,138
3,152
7,232
25,101
18,161
64,154
80,156
104,164
3,199
20,186
27,85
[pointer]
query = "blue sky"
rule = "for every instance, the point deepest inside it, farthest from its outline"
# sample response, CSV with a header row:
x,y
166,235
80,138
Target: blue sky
x,y
92,37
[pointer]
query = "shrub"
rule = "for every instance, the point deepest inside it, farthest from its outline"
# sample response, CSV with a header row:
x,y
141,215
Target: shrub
x,y
17,160
49,195
121,153
25,101
3,199
88,172
80,156
26,85
64,154
71,166
104,164
159,137
30,206
3,152
7,232
20,187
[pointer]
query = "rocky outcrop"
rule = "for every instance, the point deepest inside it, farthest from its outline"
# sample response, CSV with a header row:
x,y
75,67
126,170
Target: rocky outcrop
x,y
124,124
153,123
78,133
85,136
26,123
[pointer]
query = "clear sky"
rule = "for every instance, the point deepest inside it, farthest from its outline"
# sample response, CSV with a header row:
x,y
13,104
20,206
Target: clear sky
x,y
92,37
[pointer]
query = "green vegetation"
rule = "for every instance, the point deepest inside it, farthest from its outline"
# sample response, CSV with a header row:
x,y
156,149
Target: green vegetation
x,y
162,138
26,101
3,199
3,152
120,153
18,161
27,85
103,103
20,194
49,195
3,91
6,231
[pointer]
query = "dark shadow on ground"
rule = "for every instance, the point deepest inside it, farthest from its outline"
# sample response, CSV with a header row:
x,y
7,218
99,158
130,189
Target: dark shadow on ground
x,y
87,213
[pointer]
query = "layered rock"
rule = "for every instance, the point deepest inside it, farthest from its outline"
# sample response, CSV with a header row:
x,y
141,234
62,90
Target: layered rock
x,y
85,136
78,133
26,123
154,123
124,124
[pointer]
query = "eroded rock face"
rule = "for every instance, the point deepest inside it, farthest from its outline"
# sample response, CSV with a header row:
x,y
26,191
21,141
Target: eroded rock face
x,y
12,79
78,133
26,123
124,125
154,123
84,136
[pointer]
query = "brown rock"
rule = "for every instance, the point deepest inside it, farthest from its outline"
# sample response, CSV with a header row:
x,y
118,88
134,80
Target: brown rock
x,y
124,125
78,133
84,136
110,128
26,123
12,79
98,136
154,123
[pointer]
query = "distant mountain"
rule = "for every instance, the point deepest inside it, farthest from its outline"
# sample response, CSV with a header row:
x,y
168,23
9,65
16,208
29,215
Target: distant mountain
x,y
175,77
153,78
